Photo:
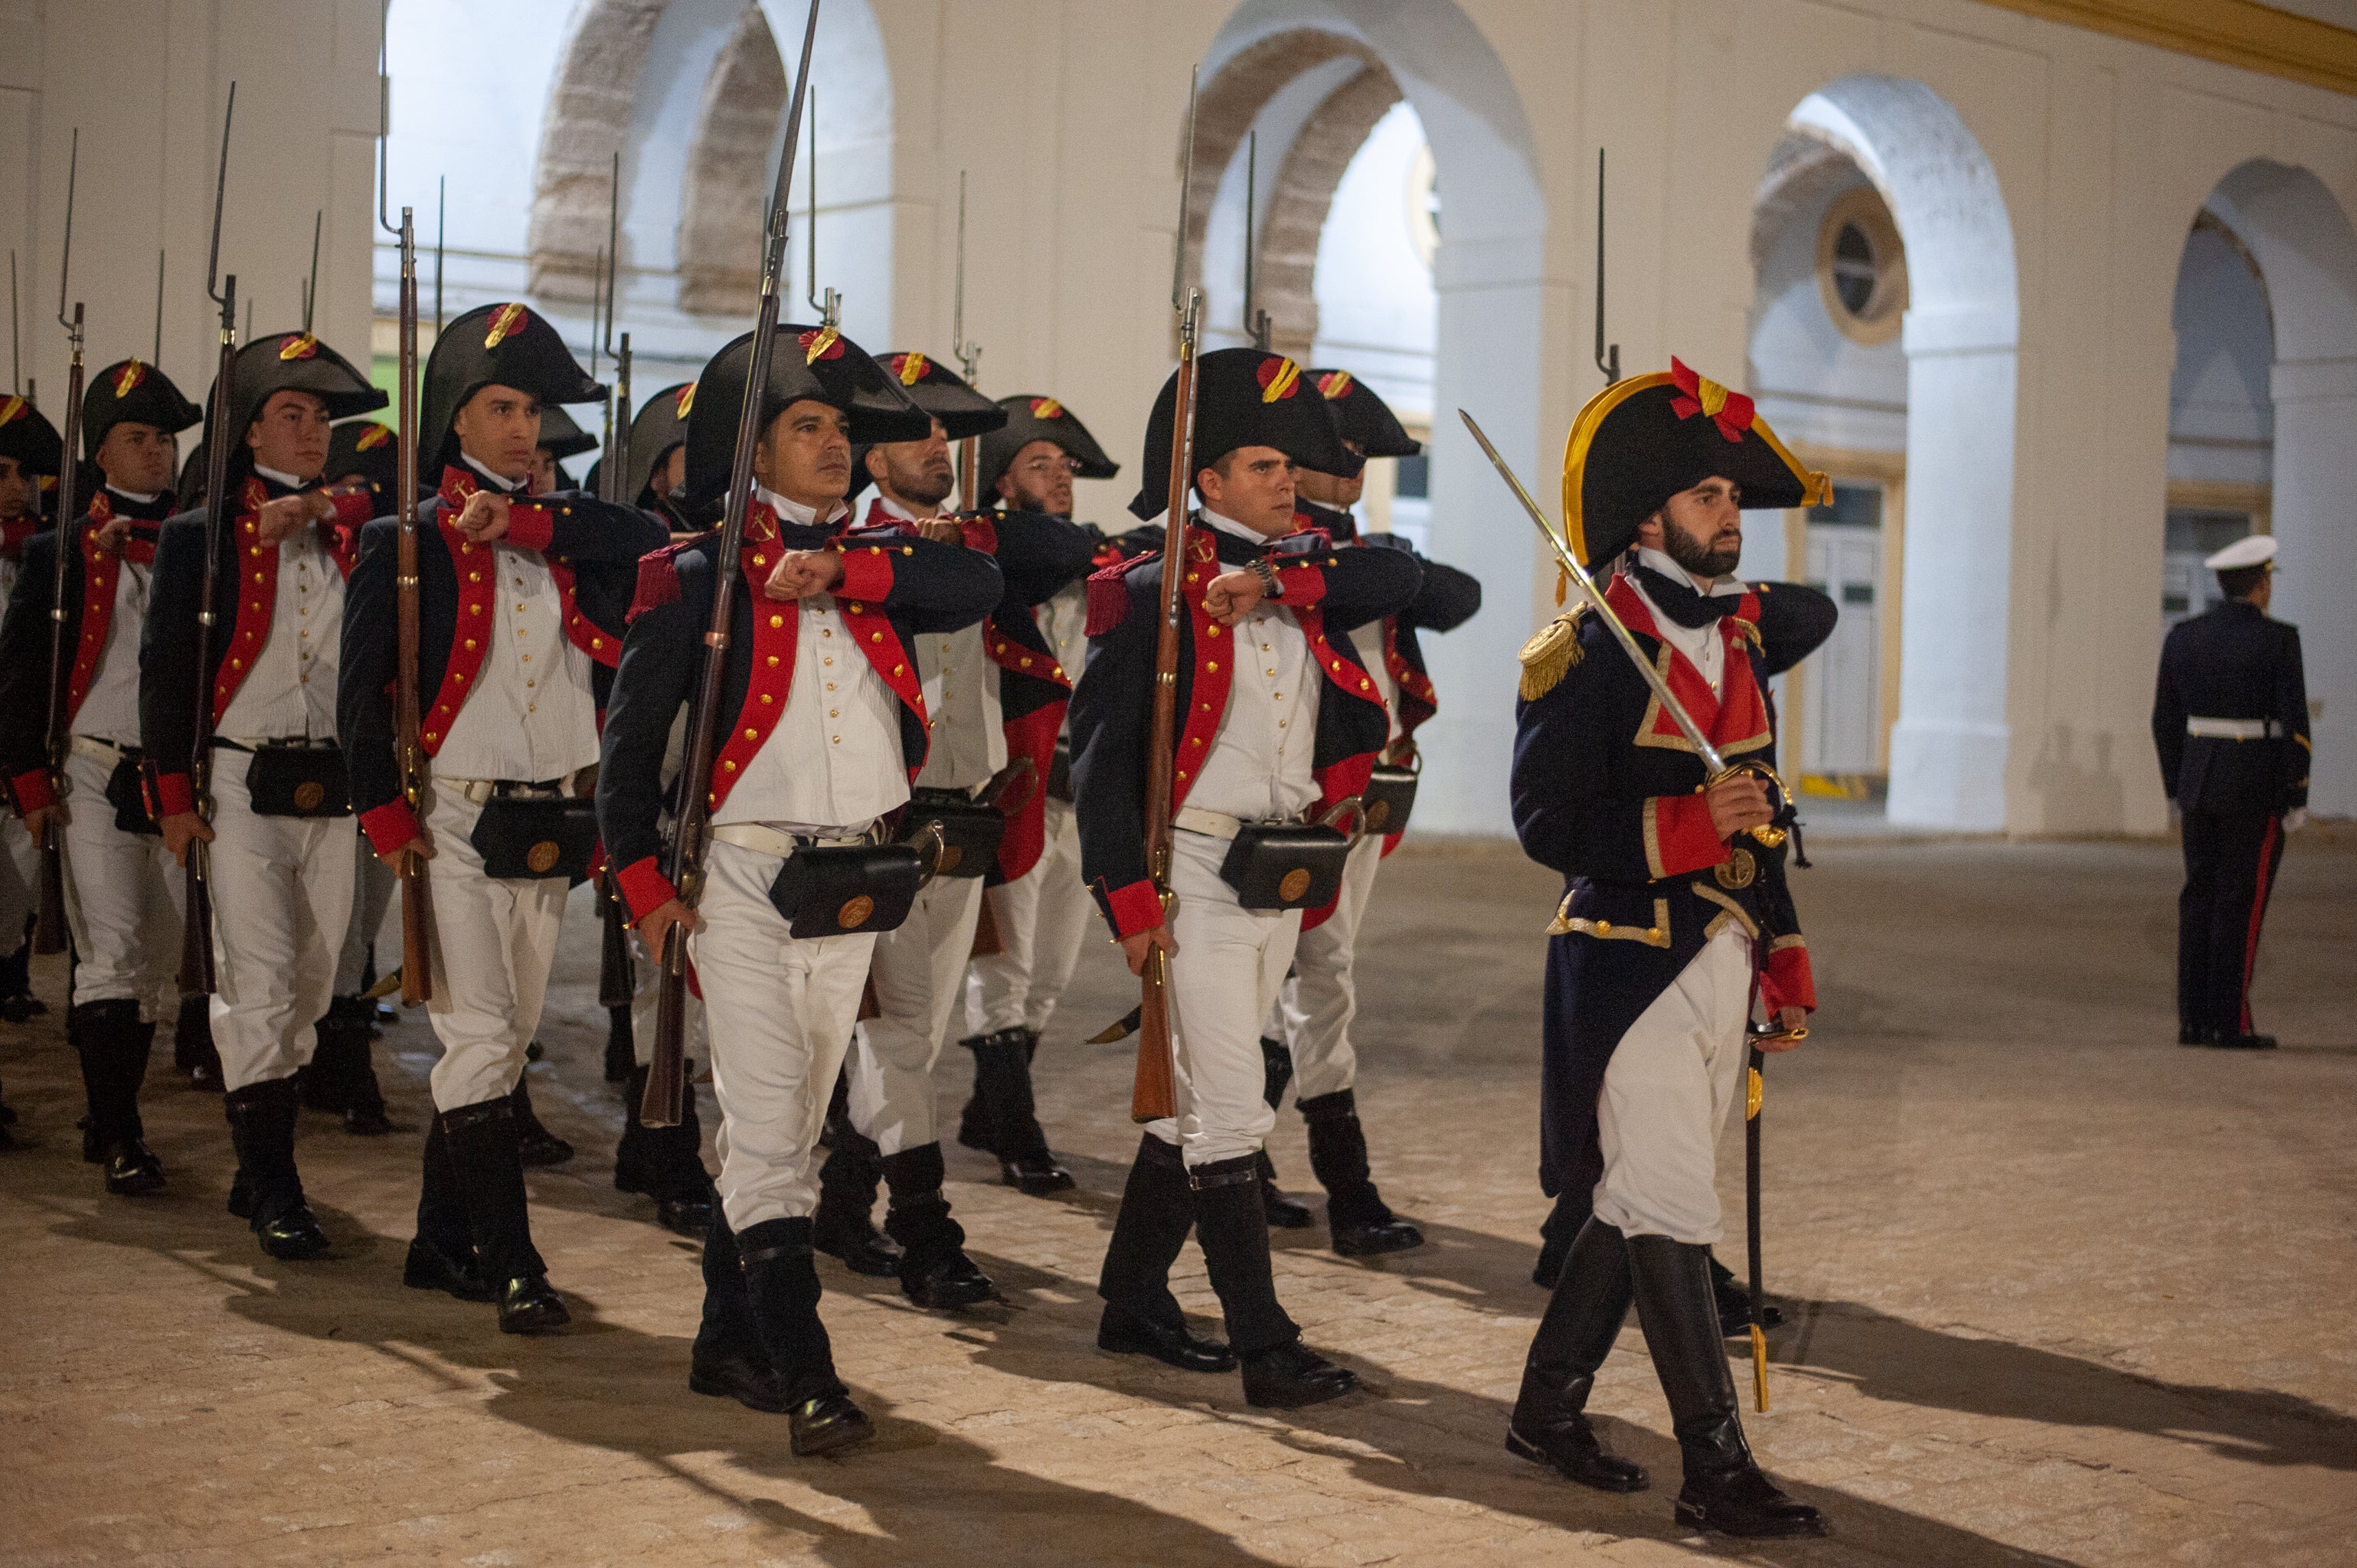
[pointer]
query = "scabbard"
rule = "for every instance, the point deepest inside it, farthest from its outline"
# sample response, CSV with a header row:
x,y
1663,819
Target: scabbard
x,y
1754,1085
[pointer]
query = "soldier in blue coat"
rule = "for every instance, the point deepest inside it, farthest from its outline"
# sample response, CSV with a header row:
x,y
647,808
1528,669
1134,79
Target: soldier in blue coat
x,y
2230,722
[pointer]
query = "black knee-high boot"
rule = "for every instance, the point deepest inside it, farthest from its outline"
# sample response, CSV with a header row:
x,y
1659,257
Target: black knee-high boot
x,y
535,1144
262,1124
1001,1091
1280,1372
1550,1423
113,1045
848,1180
665,1163
442,1256
781,1287
1363,1225
1724,1489
935,1270
483,1143
1141,1315
1276,1068
729,1362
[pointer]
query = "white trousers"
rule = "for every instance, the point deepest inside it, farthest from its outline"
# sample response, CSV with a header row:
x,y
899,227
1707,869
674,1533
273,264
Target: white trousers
x,y
494,943
1666,1094
374,885
920,971
1042,917
124,893
646,1001
282,895
1223,981
1321,997
781,1013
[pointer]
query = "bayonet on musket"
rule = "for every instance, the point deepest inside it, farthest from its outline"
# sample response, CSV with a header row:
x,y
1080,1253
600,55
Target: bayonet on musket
x,y
50,928
830,306
616,973
969,359
1255,320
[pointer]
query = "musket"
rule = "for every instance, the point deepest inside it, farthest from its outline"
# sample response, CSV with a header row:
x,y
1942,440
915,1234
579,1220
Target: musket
x,y
617,977
409,753
155,355
441,212
197,975
666,1074
311,284
829,304
16,343
1255,321
969,359
1610,364
1154,1091
49,929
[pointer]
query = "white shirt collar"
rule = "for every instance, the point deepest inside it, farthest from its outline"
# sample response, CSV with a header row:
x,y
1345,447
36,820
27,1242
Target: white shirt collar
x,y
1677,574
1229,525
895,508
289,481
792,511
133,495
507,486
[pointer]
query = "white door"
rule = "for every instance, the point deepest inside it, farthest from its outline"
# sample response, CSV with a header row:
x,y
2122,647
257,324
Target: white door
x,y
1842,695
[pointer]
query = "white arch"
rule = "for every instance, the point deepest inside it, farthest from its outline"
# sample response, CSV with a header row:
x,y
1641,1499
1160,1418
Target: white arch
x,y
1490,282
1948,750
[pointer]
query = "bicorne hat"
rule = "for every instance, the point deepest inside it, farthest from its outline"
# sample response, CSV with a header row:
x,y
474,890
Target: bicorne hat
x,y
1031,419
494,345
1364,420
133,392
932,387
1244,397
807,364
277,362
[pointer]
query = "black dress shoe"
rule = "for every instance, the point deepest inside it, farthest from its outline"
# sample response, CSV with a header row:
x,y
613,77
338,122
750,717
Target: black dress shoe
x,y
293,1235
2223,1041
946,1283
2196,1036
527,1305
1285,1213
367,1120
827,1423
1035,1176
132,1168
431,1266
1570,1447
20,1009
1374,1237
540,1147
1292,1376
1126,1334
689,1217
1744,1502
740,1378
862,1247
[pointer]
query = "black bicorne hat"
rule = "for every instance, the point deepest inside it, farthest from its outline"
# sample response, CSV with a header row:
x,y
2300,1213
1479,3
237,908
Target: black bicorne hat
x,y
363,446
1642,440
285,362
1031,419
507,344
26,436
962,411
135,391
1244,397
807,364
563,435
659,424
1365,420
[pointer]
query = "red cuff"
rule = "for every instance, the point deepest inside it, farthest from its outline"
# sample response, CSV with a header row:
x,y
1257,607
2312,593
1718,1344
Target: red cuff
x,y
1134,908
1786,981
175,794
530,526
1679,836
644,887
867,572
1300,587
980,534
390,826
354,508
33,791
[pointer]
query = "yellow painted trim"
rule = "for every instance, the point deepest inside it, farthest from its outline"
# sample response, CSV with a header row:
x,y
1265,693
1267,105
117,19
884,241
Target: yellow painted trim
x,y
2237,33
1575,453
1817,489
1655,935
1720,922
1651,818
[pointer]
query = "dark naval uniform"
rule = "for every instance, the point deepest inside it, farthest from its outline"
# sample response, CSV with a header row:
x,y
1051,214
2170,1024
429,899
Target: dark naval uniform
x,y
1665,940
2230,722
29,447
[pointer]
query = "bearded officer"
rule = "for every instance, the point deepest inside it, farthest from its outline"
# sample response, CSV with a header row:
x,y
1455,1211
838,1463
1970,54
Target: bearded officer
x,y
1280,721
520,605
1038,903
281,860
824,728
2230,722
29,447
1674,919
122,900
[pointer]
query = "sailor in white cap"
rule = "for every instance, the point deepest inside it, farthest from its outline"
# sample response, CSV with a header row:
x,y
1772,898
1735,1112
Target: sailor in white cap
x,y
2230,721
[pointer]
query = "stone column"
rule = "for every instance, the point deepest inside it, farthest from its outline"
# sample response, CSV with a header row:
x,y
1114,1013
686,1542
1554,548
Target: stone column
x,y
2315,514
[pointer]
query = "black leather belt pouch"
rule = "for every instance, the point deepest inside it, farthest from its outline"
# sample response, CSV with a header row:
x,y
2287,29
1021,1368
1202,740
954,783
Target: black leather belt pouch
x,y
1389,797
126,792
1060,773
970,832
1285,865
834,889
525,837
298,781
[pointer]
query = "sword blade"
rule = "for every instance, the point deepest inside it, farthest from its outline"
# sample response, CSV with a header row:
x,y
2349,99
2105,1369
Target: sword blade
x,y
1595,598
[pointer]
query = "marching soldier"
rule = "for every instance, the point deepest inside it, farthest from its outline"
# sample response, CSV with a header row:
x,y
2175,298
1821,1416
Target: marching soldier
x,y
1280,720
122,899
659,455
29,447
561,436
521,602
1040,913
825,726
280,830
2230,722
1675,920
1319,1001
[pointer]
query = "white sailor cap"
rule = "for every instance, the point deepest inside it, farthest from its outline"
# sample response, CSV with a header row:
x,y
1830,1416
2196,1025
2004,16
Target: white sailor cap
x,y
2256,551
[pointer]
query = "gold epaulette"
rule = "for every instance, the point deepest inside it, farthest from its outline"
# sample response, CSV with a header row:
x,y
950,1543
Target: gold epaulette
x,y
1549,655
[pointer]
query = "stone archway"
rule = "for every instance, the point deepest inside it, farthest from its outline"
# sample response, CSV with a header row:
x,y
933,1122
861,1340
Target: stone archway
x,y
729,173
590,109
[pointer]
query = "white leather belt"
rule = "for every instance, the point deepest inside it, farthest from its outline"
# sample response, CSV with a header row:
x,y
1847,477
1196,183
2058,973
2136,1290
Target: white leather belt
x,y
1219,824
480,791
89,746
2235,729
769,841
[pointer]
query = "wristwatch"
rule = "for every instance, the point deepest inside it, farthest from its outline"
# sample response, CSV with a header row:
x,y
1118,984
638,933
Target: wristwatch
x,y
1270,587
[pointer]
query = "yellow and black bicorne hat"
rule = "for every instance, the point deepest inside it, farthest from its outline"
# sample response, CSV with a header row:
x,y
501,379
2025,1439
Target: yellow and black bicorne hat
x,y
1642,440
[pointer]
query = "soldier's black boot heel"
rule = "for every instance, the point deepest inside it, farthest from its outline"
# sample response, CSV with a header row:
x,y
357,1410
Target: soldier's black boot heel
x,y
782,1288
262,1126
1550,1422
728,1362
1724,1490
1280,1372
665,1163
535,1144
485,1155
844,1225
114,1047
1010,1118
441,1254
1141,1315
934,1270
1363,1225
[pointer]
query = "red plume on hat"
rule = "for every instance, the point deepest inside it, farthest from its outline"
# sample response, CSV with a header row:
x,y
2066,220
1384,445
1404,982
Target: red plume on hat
x,y
1730,411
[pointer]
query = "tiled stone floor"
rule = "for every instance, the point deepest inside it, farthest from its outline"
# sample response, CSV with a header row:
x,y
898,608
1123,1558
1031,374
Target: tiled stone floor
x,y
2061,1291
